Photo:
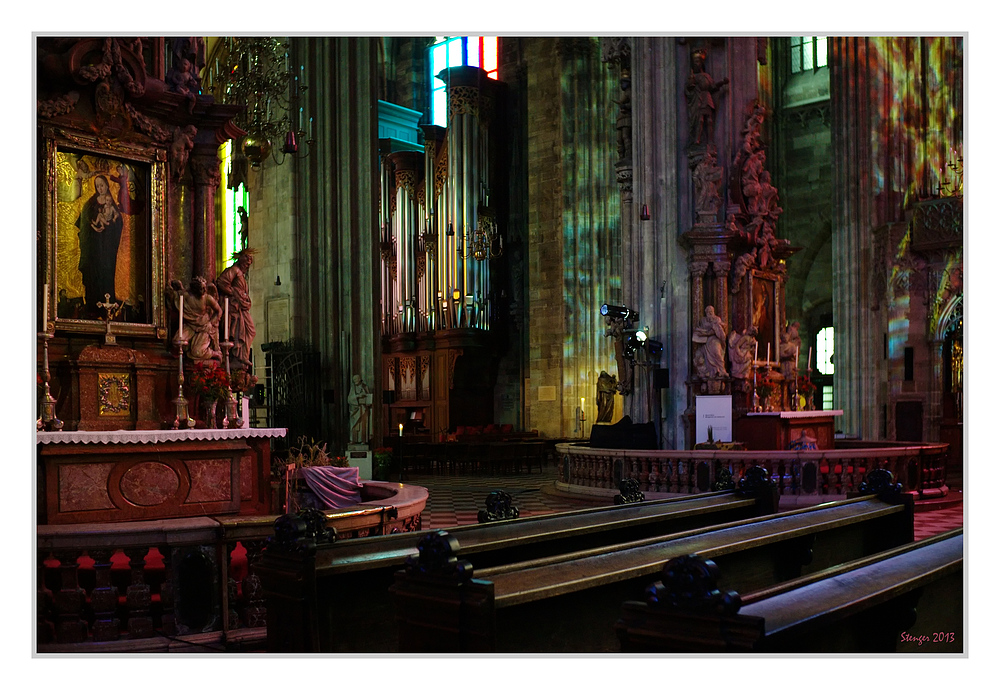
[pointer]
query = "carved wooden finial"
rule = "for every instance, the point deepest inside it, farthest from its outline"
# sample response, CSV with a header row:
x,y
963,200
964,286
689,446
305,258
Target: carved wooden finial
x,y
499,506
690,583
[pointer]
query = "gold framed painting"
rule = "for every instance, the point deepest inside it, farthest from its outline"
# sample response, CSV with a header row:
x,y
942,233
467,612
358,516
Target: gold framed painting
x,y
104,236
765,312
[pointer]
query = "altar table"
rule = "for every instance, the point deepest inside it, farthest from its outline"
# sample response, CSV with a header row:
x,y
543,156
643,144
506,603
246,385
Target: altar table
x,y
116,476
777,430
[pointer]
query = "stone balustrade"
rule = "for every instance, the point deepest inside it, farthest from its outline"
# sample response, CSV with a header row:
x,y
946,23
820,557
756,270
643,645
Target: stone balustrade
x,y
920,468
184,584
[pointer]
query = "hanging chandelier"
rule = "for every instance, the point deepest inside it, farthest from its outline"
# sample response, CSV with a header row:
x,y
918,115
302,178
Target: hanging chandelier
x,y
259,76
485,242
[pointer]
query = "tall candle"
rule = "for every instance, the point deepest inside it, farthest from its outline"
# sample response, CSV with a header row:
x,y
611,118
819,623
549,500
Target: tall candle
x,y
769,353
180,329
401,429
45,307
755,343
227,320
809,359
796,358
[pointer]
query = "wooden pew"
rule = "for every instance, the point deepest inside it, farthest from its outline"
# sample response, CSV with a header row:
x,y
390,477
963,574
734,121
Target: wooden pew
x,y
333,597
569,602
907,599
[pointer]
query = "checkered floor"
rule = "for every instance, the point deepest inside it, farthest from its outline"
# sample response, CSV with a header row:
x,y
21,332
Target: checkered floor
x,y
456,500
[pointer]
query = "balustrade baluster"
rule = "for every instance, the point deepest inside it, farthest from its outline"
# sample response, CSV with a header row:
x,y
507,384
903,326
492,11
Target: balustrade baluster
x,y
70,599
253,591
138,595
232,589
45,603
644,473
654,474
104,597
168,620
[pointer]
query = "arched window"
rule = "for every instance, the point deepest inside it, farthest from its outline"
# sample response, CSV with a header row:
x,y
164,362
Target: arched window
x,y
454,51
807,53
232,201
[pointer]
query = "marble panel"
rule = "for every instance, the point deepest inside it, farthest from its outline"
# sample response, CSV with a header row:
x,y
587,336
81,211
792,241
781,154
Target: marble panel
x,y
149,483
84,487
211,480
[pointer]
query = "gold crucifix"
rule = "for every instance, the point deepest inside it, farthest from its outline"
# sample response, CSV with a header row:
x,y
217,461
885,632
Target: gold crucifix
x,y
111,310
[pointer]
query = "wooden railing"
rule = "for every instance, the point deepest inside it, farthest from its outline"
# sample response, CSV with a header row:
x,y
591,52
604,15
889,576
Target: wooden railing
x,y
186,584
919,468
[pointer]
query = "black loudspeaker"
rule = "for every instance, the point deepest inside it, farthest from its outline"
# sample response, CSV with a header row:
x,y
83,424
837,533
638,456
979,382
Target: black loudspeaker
x,y
661,378
387,397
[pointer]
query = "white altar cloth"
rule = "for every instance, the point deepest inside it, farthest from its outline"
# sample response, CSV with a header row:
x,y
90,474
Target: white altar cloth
x,y
155,435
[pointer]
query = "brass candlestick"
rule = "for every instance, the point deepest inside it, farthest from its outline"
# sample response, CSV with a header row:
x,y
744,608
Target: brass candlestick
x,y
180,402
232,420
47,419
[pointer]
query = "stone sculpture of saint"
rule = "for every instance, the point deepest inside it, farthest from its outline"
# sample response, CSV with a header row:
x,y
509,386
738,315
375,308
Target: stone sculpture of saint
x,y
788,350
616,331
201,318
232,283
710,357
360,403
741,352
701,104
606,387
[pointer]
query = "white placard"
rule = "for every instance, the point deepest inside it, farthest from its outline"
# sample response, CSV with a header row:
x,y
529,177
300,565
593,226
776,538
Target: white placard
x,y
714,411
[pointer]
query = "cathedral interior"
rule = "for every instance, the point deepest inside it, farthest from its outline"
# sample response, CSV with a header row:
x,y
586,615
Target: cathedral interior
x,y
414,240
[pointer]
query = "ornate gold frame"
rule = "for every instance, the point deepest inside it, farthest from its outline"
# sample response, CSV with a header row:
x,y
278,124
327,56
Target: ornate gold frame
x,y
153,160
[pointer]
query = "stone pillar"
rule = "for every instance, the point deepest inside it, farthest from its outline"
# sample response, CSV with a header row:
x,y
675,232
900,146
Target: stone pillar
x,y
854,218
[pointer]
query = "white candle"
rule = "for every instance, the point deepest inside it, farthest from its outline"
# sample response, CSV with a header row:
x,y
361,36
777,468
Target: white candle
x,y
180,329
755,343
400,429
796,358
227,320
769,353
809,359
45,307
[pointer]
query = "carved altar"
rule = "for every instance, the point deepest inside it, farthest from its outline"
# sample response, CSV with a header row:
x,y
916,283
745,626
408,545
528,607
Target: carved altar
x,y
736,266
778,430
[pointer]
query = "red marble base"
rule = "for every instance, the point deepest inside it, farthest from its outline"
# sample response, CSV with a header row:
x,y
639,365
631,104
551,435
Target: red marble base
x,y
115,482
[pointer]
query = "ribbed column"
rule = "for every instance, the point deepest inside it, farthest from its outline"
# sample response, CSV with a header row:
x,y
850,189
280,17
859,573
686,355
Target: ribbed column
x,y
854,219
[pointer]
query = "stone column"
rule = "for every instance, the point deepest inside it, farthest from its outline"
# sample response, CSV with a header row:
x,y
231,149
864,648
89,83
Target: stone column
x,y
854,218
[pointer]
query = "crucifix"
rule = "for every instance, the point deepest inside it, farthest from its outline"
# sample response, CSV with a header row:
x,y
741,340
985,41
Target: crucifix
x,y
111,310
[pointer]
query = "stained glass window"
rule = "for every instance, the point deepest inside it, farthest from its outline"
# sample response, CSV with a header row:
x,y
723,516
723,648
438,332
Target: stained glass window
x,y
453,51
232,201
824,350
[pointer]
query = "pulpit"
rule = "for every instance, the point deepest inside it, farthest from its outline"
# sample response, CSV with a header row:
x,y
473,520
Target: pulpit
x,y
777,430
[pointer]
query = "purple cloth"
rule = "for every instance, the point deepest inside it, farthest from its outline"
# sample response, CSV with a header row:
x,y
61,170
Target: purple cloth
x,y
335,487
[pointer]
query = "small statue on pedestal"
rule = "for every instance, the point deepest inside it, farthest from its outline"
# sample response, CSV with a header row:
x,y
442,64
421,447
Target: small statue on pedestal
x,y
710,357
606,386
360,403
232,284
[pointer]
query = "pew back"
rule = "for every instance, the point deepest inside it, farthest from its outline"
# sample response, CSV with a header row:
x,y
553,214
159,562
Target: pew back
x,y
335,598
569,602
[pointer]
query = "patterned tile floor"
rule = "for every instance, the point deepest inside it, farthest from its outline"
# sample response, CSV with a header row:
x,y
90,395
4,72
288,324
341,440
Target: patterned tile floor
x,y
456,500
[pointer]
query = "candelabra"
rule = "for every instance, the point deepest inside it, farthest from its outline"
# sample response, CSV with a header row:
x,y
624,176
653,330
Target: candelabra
x,y
232,419
47,419
180,402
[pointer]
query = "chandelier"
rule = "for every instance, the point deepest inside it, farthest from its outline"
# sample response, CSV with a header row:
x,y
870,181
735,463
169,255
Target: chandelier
x,y
258,75
485,242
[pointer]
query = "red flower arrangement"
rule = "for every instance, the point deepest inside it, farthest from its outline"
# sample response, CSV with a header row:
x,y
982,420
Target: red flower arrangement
x,y
242,381
806,386
766,386
210,382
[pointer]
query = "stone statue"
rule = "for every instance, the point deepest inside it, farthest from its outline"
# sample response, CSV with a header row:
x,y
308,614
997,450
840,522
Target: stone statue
x,y
180,149
710,357
606,386
616,331
201,314
244,228
360,403
701,105
788,350
741,353
707,177
232,284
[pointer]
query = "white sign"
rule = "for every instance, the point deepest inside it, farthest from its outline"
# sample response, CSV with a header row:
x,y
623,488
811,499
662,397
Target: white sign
x,y
715,411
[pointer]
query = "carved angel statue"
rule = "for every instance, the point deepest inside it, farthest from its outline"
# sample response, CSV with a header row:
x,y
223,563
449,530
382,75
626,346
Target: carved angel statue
x,y
741,352
200,318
